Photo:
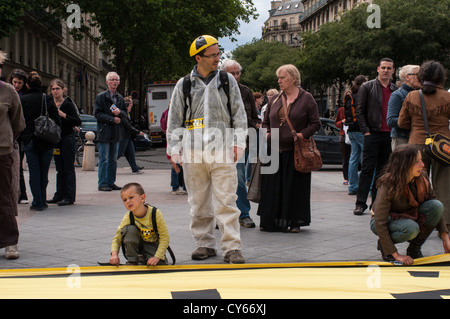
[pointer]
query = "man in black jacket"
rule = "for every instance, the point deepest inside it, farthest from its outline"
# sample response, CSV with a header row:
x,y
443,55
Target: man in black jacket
x,y
371,113
109,106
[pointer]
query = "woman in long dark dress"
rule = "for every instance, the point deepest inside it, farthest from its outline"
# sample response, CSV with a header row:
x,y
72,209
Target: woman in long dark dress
x,y
285,195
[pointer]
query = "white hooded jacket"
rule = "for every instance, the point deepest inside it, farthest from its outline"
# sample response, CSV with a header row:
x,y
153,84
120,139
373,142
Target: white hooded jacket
x,y
209,128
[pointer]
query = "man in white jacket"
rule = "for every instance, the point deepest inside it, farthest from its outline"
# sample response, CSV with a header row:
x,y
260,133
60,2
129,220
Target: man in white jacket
x,y
207,133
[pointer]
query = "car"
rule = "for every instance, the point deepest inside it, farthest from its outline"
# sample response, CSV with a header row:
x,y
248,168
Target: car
x,y
142,143
327,141
89,123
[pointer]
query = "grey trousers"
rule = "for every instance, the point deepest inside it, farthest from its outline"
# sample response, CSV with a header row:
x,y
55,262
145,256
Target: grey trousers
x,y
133,245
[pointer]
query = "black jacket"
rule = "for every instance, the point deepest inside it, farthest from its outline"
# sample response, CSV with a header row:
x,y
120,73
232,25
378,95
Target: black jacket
x,y
369,105
107,130
129,131
31,104
72,116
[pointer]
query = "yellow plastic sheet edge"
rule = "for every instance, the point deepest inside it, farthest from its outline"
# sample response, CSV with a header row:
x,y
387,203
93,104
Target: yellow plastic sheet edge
x,y
429,260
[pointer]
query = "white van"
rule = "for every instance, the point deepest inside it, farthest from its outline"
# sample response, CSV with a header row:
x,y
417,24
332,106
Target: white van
x,y
159,94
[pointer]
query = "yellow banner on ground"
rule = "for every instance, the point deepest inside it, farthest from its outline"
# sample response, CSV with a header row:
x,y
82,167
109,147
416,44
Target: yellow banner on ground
x,y
429,277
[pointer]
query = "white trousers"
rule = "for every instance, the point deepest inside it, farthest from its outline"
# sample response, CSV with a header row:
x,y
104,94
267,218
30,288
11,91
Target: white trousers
x,y
212,197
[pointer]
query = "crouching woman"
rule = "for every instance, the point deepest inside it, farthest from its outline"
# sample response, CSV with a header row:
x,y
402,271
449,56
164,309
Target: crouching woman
x,y
406,208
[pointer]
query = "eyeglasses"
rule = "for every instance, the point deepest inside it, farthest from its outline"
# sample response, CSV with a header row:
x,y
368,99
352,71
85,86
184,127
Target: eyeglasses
x,y
213,56
416,74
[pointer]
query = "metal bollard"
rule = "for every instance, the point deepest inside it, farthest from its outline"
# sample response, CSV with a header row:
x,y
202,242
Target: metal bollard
x,y
89,152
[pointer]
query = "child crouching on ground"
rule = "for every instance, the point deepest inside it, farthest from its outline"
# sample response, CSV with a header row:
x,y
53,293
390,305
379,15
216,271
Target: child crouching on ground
x,y
139,237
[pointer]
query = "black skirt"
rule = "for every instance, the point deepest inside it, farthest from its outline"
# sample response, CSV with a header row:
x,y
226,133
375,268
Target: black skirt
x,y
285,197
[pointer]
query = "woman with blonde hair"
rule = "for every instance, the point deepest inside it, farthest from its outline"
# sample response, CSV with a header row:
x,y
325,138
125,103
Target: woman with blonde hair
x,y
285,194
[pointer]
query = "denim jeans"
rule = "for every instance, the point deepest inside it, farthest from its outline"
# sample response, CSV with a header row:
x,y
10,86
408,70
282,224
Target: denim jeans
x,y
402,230
176,179
242,202
107,163
126,147
38,166
357,142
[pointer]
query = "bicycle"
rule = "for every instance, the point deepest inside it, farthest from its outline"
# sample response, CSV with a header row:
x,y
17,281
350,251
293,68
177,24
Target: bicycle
x,y
79,149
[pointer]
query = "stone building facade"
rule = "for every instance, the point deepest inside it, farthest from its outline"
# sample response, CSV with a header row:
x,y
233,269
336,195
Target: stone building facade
x,y
283,24
54,53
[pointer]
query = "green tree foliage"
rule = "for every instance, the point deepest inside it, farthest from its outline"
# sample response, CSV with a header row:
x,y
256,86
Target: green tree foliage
x,y
260,60
155,35
10,13
150,37
411,32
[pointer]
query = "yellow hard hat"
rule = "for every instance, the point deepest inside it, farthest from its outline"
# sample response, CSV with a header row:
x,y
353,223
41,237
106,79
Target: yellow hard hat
x,y
201,43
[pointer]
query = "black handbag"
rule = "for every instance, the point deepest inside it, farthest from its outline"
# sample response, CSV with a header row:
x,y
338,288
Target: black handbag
x,y
437,146
45,128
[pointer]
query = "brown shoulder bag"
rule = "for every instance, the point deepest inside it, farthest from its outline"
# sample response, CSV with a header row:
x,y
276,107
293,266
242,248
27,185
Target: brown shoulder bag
x,y
307,157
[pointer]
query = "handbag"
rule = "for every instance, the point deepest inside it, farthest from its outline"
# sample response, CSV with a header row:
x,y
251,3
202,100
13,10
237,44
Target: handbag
x,y
254,187
45,128
307,157
437,146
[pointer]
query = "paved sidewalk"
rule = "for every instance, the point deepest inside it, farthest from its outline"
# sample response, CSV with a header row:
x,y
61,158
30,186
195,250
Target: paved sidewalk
x,y
81,234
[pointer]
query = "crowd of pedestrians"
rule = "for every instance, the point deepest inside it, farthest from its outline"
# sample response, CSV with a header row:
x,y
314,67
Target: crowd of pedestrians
x,y
22,100
382,137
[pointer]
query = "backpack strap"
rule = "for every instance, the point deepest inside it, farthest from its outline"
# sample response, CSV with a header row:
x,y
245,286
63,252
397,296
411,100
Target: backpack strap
x,y
187,96
225,85
155,228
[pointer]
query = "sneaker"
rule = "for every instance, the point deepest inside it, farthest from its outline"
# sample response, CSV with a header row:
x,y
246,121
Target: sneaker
x,y
23,201
247,222
234,257
11,252
202,253
138,172
179,192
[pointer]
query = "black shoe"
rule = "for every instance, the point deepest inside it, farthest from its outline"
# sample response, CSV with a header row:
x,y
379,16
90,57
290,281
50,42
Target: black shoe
x,y
52,201
104,188
38,209
64,203
359,210
114,187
